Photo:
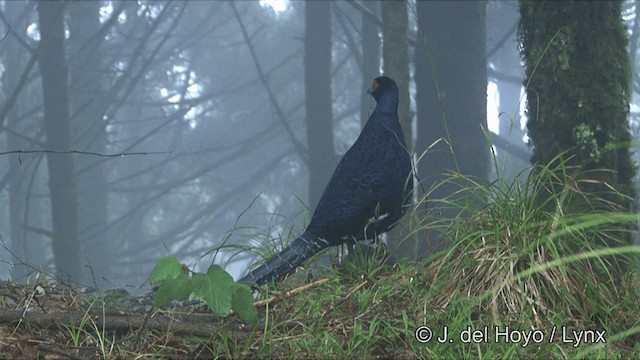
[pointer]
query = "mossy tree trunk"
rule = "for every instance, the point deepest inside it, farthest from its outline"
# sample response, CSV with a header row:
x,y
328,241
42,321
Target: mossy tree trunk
x,y
577,76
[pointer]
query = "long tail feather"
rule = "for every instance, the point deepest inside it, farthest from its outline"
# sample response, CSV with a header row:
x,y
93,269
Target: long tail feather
x,y
286,260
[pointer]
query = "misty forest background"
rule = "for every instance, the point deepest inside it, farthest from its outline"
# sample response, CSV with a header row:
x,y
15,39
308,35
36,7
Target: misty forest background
x,y
133,130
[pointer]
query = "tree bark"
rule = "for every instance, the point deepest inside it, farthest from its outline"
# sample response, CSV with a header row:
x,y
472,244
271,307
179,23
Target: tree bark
x,y
62,186
395,57
17,186
395,54
451,85
578,74
88,106
370,59
317,84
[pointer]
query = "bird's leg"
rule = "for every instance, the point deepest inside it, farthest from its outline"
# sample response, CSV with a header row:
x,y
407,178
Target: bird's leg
x,y
341,254
350,245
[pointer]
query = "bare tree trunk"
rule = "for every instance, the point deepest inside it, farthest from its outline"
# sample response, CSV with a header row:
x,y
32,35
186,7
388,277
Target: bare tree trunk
x,y
317,81
451,97
370,59
395,54
90,135
53,68
14,66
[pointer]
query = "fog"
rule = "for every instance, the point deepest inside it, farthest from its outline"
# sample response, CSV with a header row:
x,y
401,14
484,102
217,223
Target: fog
x,y
187,130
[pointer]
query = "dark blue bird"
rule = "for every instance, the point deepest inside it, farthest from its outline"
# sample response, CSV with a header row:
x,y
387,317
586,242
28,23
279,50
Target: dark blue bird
x,y
367,194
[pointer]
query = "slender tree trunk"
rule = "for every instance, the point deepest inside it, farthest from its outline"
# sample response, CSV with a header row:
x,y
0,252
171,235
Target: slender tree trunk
x,y
62,186
451,86
14,66
317,81
395,54
370,59
90,135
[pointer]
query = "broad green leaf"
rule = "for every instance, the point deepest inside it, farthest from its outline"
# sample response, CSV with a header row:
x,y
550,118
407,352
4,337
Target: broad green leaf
x,y
215,289
167,267
217,273
242,303
173,289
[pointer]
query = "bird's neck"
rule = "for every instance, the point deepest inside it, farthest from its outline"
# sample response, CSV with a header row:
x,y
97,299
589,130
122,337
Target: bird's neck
x,y
387,104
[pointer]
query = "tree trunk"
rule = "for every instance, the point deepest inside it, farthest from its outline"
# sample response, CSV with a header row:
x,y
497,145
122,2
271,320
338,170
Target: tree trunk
x,y
451,86
395,54
88,107
317,85
18,184
578,75
62,187
370,59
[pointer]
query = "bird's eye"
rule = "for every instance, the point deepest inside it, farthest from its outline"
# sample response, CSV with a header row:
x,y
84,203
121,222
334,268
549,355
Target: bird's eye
x,y
374,85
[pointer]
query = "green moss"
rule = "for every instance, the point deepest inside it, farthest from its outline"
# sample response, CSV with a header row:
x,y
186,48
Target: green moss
x,y
578,76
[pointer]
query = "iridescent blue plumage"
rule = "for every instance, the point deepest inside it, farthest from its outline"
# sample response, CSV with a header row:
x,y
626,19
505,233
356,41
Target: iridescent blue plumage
x,y
368,191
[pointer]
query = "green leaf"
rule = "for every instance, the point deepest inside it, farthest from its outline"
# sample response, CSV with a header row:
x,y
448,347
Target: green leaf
x,y
242,303
173,289
215,288
220,277
167,267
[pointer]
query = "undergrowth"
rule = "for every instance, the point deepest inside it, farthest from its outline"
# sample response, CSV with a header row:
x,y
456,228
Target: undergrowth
x,y
536,269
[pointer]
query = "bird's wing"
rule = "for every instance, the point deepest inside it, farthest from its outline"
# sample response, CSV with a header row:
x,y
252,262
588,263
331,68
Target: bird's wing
x,y
360,181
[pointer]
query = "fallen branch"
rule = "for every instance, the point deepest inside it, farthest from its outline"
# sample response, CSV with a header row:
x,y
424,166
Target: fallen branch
x,y
290,293
115,322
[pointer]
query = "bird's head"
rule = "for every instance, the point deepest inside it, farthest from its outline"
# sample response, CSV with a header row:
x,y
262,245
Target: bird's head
x,y
381,85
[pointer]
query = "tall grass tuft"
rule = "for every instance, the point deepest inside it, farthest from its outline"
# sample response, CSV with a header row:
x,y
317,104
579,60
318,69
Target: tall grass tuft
x,y
540,253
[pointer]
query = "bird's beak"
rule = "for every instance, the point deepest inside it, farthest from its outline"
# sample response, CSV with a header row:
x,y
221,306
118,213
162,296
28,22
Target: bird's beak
x,y
374,86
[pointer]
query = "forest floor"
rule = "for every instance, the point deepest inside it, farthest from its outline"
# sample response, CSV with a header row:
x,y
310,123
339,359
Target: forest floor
x,y
384,315
54,321
517,279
